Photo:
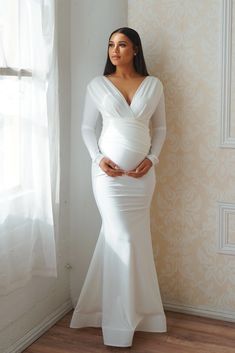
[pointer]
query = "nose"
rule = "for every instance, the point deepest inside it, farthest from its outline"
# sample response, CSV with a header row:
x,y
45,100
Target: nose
x,y
115,49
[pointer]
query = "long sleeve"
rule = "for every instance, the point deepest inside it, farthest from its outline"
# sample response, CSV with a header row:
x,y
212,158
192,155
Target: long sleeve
x,y
158,131
88,128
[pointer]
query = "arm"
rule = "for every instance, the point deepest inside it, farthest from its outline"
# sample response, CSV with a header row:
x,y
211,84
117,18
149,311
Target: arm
x,y
158,131
90,116
158,138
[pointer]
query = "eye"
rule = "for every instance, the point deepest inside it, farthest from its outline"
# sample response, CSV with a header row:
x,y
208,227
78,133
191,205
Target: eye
x,y
122,45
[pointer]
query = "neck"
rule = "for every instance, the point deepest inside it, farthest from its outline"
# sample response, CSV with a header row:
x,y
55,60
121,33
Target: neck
x,y
125,71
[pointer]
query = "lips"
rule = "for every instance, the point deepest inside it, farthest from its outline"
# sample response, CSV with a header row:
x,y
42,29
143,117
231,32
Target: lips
x,y
115,57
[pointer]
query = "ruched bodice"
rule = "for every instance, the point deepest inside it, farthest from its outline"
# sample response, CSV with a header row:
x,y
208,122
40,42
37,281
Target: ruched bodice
x,y
111,102
147,104
125,141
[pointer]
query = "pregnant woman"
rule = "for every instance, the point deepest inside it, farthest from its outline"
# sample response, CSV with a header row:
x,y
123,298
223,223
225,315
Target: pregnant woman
x,y
121,292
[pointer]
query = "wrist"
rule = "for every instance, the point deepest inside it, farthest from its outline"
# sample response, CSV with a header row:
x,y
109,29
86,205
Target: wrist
x,y
153,159
98,158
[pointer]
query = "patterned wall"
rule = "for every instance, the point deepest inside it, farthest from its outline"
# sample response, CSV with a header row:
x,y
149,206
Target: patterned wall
x,y
193,211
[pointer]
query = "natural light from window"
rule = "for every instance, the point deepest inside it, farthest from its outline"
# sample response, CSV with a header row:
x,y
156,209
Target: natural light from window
x,y
14,93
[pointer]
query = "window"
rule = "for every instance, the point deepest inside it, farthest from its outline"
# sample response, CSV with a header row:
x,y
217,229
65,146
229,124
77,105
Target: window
x,y
15,80
29,142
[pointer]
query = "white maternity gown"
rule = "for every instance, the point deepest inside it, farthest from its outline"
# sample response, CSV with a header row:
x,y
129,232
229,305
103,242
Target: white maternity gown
x,y
121,292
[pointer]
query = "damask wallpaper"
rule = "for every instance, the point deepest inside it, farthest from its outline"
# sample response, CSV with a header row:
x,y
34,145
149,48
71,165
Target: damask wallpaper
x,y
193,210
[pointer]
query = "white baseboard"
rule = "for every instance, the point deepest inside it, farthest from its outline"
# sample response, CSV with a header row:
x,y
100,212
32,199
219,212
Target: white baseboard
x,y
201,311
40,329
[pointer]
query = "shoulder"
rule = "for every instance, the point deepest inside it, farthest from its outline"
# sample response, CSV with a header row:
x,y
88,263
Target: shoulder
x,y
156,80
94,88
97,80
156,86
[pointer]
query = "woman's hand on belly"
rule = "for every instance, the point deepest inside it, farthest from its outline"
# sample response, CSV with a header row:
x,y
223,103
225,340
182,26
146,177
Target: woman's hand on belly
x,y
110,168
141,169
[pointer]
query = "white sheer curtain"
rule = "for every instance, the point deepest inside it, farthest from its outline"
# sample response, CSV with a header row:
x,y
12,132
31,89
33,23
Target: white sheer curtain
x,y
29,142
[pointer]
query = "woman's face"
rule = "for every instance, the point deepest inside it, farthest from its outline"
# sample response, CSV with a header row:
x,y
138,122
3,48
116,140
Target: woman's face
x,y
121,49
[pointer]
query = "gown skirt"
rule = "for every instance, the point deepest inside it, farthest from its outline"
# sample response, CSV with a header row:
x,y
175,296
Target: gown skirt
x,y
121,291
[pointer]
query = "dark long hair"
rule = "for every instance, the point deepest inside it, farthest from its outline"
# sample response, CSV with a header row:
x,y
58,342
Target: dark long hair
x,y
138,61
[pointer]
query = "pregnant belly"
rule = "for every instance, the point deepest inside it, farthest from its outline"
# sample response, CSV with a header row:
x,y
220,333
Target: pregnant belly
x,y
125,142
123,157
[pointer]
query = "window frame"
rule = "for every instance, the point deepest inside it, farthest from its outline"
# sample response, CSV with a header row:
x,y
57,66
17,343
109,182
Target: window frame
x,y
17,73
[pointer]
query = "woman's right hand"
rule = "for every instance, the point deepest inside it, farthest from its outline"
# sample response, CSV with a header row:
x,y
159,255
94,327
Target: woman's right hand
x,y
110,168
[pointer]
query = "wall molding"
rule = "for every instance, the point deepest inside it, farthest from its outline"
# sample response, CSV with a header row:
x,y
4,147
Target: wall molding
x,y
224,246
40,329
226,140
201,311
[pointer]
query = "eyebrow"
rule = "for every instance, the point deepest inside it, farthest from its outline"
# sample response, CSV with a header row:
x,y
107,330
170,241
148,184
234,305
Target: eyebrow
x,y
120,41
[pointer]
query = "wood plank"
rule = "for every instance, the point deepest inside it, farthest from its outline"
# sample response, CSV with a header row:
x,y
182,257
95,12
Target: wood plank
x,y
186,334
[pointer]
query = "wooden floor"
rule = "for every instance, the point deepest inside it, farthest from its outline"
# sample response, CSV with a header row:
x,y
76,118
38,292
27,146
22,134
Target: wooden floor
x,y
186,334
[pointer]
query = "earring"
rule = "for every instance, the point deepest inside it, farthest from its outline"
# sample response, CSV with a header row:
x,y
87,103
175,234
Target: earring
x,y
134,53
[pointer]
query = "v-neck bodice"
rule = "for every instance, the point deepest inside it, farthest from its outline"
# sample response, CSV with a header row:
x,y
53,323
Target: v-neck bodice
x,y
125,128
121,94
111,102
125,136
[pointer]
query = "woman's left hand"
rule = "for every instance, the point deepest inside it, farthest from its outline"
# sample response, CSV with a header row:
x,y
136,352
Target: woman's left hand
x,y
141,170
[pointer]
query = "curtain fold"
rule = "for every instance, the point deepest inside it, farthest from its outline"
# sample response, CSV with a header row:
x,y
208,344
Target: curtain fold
x,y
29,142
